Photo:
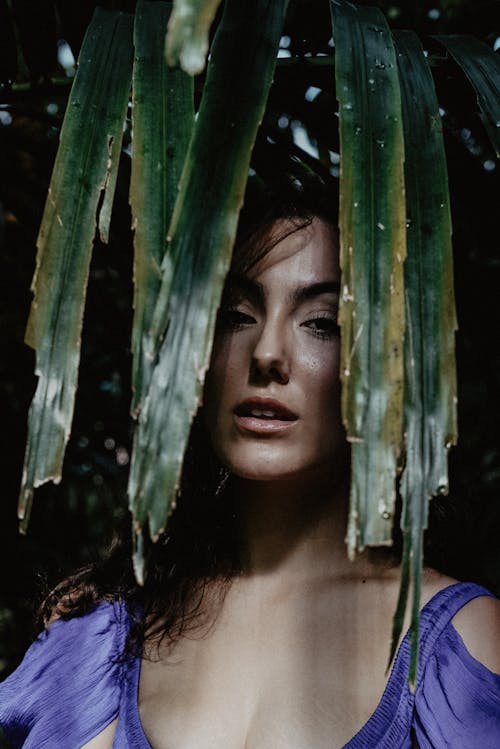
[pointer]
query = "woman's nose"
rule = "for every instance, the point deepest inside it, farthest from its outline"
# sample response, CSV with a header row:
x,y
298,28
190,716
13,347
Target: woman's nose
x,y
270,360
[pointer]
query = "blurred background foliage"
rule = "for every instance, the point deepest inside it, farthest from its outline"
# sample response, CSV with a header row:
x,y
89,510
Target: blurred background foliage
x,y
74,521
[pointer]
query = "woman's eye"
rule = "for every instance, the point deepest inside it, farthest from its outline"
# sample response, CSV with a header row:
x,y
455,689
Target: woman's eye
x,y
234,319
322,326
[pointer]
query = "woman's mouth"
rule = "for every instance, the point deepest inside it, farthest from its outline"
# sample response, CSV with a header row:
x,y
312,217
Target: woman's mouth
x,y
263,416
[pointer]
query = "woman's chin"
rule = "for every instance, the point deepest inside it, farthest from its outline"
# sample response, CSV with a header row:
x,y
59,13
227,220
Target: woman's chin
x,y
263,469
256,474
256,462
281,461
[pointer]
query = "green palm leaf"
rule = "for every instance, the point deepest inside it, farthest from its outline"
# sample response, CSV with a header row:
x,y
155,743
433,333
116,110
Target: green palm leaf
x,y
201,236
163,117
373,248
85,167
430,422
482,67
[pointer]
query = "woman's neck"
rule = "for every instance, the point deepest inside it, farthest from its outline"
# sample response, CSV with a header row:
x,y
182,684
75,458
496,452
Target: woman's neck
x,y
291,525
296,529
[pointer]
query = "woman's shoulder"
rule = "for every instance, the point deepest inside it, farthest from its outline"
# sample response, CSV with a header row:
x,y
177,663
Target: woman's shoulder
x,y
478,624
457,702
67,686
472,611
96,635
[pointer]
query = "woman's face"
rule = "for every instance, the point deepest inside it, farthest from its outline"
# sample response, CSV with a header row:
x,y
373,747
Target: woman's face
x,y
272,393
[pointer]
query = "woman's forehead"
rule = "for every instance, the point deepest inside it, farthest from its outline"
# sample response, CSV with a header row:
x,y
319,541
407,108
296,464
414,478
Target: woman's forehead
x,y
308,252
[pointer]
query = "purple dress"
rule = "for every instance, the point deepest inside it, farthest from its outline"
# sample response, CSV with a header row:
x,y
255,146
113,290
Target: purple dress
x,y
73,682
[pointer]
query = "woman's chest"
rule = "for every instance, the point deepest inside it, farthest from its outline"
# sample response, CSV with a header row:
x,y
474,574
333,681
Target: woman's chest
x,y
292,684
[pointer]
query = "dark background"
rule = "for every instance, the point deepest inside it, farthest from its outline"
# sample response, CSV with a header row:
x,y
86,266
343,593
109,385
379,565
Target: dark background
x,y
73,521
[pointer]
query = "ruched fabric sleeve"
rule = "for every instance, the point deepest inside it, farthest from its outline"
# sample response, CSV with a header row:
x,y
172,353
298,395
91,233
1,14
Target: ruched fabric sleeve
x,y
67,688
457,704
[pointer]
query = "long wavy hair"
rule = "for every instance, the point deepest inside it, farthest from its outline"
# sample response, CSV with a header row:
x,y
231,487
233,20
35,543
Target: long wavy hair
x,y
201,543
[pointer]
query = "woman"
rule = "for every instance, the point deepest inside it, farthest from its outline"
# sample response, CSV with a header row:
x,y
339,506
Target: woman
x,y
254,629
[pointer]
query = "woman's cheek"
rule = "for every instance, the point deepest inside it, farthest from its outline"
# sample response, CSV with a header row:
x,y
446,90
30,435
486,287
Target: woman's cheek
x,y
322,360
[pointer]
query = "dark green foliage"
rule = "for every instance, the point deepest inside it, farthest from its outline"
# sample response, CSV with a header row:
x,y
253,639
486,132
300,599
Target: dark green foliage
x,y
163,117
200,241
78,203
430,424
372,253
71,522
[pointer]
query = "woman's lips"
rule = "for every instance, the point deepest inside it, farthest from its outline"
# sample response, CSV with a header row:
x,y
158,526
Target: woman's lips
x,y
263,416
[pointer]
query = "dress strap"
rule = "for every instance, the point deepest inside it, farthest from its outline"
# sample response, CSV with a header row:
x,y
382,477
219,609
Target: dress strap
x,y
440,610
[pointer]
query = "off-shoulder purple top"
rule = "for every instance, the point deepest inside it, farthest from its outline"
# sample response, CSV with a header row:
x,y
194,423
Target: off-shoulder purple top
x,y
73,682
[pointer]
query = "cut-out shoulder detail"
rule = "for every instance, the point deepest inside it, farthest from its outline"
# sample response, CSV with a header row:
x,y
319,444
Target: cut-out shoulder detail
x,y
478,624
104,740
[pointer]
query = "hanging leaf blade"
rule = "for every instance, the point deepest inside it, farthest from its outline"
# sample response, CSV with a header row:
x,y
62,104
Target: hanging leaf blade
x,y
482,67
372,233
163,117
430,419
201,235
85,166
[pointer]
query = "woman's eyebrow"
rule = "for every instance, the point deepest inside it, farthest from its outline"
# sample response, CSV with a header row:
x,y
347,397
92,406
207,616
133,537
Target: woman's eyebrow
x,y
252,289
239,283
312,290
